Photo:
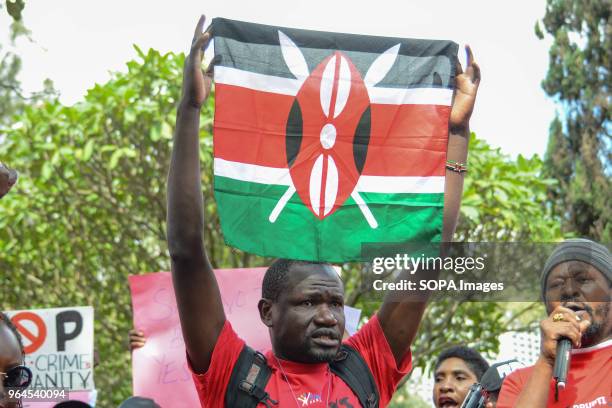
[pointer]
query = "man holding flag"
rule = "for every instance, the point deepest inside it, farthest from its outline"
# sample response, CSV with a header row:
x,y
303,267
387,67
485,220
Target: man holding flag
x,y
302,302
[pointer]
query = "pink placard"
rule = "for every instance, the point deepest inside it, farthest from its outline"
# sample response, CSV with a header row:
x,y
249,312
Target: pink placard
x,y
159,369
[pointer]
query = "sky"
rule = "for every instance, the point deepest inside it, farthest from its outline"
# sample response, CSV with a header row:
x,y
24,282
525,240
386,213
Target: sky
x,y
76,44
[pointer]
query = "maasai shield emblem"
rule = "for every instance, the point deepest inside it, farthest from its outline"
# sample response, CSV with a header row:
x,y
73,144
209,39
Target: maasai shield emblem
x,y
323,141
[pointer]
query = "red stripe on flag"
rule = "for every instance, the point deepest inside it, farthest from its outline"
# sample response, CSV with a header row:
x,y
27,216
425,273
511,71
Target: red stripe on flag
x,y
406,140
250,125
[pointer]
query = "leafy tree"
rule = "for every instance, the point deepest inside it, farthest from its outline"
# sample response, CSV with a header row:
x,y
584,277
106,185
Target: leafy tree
x,y
12,98
504,199
579,148
10,64
89,210
14,8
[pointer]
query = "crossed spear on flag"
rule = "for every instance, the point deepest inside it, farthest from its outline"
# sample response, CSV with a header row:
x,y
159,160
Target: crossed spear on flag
x,y
333,101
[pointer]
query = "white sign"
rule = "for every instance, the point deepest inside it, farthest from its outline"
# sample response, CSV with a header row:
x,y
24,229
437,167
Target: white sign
x,y
59,346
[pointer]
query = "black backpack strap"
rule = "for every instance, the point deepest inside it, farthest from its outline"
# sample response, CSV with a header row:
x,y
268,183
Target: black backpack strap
x,y
247,384
354,371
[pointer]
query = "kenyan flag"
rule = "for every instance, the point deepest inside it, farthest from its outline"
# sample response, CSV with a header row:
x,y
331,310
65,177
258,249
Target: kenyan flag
x,y
323,141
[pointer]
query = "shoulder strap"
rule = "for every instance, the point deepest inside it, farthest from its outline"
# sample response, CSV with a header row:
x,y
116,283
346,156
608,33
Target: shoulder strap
x,y
247,384
354,371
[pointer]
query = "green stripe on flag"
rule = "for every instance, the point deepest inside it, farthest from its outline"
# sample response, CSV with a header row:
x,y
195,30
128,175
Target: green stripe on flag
x,y
298,234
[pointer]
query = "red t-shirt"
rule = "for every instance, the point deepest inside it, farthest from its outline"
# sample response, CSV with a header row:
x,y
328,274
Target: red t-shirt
x,y
589,382
309,382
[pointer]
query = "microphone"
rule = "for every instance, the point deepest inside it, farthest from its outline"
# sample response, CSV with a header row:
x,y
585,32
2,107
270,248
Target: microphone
x,y
476,398
562,362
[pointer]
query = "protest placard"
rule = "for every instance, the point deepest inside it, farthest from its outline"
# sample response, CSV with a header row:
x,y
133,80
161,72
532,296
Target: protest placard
x,y
58,343
160,368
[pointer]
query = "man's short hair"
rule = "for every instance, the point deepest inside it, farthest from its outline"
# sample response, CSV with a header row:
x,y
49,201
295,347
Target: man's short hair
x,y
4,319
276,277
477,364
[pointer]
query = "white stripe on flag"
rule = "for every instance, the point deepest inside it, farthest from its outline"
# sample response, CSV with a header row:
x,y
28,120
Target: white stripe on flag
x,y
289,86
257,82
252,172
411,96
385,184
368,184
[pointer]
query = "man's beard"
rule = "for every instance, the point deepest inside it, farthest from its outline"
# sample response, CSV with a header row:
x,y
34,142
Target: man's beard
x,y
318,355
595,329
323,356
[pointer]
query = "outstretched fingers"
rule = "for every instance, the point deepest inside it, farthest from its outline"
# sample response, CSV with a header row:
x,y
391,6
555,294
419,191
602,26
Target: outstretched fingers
x,y
199,28
200,39
473,69
469,54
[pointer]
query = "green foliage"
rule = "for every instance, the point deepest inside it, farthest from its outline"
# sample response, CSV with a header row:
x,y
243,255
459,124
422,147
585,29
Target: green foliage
x,y
501,195
89,210
12,100
10,103
15,8
579,148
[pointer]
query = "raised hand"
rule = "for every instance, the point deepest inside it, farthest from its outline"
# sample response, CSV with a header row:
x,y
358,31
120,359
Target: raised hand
x,y
197,83
466,87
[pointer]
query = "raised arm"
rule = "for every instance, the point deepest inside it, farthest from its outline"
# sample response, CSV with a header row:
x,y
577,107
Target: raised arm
x,y
197,293
400,319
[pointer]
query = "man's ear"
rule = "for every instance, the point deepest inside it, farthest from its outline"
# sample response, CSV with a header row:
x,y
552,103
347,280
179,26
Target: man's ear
x,y
265,311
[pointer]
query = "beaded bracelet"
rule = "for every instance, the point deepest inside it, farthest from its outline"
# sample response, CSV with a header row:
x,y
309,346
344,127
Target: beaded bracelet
x,y
456,166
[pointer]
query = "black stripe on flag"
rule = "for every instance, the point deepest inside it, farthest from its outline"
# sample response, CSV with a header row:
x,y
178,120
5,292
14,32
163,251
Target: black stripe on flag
x,y
255,48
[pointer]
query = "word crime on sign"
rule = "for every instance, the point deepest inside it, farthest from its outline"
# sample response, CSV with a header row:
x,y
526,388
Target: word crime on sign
x,y
58,344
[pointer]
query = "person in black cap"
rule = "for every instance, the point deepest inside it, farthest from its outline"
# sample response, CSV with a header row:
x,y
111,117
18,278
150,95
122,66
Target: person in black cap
x,y
493,379
577,292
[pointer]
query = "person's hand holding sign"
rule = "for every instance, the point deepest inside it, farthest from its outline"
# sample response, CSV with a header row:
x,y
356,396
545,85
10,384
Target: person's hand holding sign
x,y
137,339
